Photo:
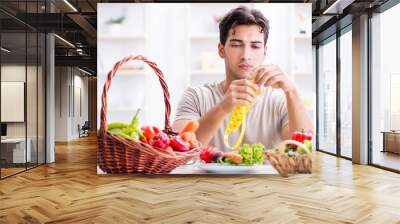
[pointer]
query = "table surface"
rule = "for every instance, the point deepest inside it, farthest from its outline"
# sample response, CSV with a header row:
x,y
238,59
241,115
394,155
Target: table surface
x,y
195,169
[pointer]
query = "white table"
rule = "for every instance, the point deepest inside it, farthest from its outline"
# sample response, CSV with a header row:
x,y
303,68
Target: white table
x,y
194,169
18,150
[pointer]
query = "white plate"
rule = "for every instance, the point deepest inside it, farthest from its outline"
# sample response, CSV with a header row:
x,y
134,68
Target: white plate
x,y
223,168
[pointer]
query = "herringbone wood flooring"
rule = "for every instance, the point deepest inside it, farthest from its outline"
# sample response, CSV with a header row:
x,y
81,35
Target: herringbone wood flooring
x,y
70,191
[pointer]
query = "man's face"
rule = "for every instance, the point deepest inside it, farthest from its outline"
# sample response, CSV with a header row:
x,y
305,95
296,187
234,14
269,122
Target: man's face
x,y
243,51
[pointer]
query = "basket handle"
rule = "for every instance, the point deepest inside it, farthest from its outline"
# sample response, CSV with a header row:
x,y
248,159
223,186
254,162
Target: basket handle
x,y
282,145
107,84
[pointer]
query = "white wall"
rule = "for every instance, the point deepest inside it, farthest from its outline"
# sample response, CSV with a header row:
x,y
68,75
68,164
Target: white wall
x,y
67,80
15,73
61,103
80,82
33,127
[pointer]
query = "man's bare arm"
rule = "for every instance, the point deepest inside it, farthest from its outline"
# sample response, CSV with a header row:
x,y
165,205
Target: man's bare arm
x,y
298,115
208,124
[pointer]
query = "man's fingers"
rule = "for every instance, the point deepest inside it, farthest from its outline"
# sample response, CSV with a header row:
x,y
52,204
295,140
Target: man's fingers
x,y
243,96
274,80
245,83
241,102
245,90
267,76
258,73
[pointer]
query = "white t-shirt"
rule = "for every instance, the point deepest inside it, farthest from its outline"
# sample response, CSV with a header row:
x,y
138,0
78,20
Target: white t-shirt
x,y
264,121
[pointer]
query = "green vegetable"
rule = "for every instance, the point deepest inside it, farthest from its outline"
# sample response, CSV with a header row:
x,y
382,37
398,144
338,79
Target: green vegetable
x,y
130,131
252,155
121,134
116,125
135,120
247,154
258,153
309,146
135,135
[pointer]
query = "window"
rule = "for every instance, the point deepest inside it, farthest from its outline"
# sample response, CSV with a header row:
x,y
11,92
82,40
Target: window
x,y
22,75
346,94
327,97
385,89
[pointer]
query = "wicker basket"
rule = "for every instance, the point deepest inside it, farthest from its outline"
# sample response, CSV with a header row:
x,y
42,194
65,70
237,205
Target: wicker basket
x,y
286,165
120,155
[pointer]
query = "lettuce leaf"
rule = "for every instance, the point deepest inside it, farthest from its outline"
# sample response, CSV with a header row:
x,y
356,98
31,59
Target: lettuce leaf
x,y
258,153
253,154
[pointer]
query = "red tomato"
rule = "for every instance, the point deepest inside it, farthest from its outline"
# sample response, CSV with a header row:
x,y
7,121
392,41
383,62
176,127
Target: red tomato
x,y
298,136
206,154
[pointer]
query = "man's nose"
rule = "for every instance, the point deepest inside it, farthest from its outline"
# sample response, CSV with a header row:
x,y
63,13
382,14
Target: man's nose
x,y
246,53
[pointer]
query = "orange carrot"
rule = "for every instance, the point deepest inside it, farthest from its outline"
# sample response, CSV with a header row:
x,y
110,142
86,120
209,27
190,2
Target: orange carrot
x,y
191,126
188,136
236,158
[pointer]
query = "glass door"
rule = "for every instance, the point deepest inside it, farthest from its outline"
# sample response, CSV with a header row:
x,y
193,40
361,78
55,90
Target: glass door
x,y
346,93
385,89
326,135
22,77
13,105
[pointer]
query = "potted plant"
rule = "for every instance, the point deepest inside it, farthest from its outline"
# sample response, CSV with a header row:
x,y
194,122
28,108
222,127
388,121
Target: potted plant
x,y
114,25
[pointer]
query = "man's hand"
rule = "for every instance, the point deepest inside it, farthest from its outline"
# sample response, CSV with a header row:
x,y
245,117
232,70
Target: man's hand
x,y
272,75
239,92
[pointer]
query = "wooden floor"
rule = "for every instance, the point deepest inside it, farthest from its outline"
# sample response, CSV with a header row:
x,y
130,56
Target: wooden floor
x,y
10,171
387,159
70,191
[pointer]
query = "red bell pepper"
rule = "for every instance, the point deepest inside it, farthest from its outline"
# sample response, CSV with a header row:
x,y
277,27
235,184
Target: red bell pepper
x,y
156,130
301,136
178,144
308,135
297,136
160,140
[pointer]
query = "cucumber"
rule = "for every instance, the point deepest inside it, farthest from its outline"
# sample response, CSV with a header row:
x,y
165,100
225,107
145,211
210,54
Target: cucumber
x,y
117,125
121,134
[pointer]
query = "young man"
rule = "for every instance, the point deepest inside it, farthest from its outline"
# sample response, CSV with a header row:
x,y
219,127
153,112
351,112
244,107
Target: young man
x,y
276,112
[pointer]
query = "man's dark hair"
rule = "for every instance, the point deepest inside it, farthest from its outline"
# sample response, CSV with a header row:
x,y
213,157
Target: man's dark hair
x,y
242,16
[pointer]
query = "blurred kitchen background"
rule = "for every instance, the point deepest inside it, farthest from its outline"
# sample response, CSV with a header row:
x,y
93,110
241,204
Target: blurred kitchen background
x,y
182,39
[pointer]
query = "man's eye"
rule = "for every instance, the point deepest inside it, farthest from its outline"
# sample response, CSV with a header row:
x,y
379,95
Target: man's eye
x,y
235,45
256,47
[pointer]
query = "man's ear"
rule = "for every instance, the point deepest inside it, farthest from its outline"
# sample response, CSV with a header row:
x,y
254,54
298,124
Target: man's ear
x,y
221,50
265,50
